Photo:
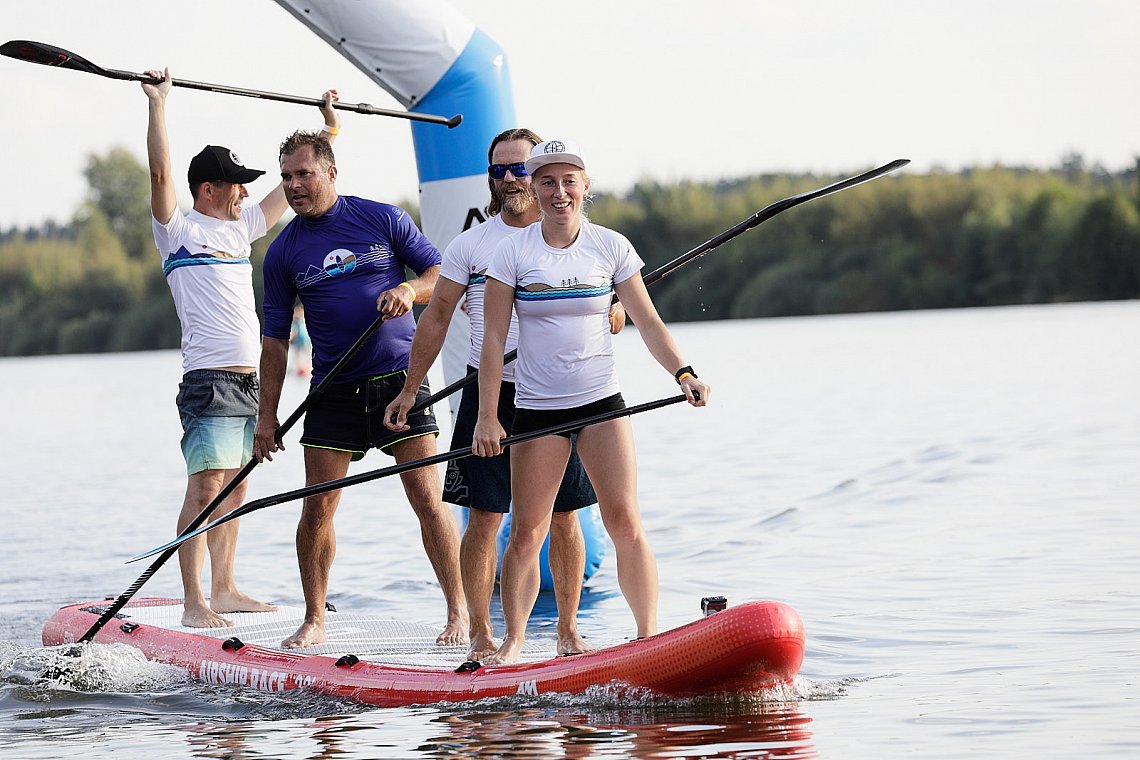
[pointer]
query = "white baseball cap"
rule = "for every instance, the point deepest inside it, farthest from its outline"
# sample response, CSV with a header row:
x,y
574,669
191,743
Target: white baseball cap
x,y
555,152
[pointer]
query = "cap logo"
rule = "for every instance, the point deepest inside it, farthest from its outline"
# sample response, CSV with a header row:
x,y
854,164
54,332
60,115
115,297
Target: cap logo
x,y
555,146
236,160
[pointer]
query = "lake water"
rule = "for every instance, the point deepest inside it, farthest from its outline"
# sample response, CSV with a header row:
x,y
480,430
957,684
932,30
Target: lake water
x,y
948,498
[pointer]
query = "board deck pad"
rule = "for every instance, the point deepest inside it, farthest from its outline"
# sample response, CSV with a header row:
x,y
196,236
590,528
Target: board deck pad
x,y
371,638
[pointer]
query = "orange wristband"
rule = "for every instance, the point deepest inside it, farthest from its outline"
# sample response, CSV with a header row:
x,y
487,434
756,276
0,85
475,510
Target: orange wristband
x,y
684,372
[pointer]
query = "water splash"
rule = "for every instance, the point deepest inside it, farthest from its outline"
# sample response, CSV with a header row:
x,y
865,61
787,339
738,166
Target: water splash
x,y
620,696
85,667
822,690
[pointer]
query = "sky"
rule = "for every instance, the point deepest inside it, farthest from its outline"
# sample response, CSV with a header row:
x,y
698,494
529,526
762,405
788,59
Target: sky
x,y
662,90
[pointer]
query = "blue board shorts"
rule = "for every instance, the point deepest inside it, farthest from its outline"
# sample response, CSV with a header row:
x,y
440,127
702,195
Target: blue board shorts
x,y
218,409
350,416
484,483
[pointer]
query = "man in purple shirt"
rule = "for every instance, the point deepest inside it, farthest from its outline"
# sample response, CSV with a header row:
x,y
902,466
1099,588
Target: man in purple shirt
x,y
345,258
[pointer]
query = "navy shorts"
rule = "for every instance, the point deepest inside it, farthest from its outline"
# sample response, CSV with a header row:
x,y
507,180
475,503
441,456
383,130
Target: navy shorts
x,y
218,409
350,416
529,420
484,483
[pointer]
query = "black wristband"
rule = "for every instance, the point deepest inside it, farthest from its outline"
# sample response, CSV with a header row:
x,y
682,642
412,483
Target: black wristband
x,y
683,371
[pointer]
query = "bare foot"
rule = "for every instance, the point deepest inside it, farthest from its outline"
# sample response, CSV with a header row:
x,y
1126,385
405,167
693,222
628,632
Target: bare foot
x,y
454,634
238,602
507,654
203,617
482,646
309,634
572,643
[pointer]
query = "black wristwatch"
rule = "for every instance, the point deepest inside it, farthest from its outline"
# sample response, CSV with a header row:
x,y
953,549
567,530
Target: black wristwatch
x,y
686,370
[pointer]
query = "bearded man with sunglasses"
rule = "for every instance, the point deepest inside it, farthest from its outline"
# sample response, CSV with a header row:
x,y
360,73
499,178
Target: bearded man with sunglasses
x,y
483,485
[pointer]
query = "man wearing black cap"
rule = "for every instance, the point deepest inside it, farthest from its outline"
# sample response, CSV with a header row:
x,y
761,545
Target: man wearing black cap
x,y
205,258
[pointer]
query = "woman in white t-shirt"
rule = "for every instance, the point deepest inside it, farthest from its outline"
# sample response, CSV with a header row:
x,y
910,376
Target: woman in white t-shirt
x,y
558,275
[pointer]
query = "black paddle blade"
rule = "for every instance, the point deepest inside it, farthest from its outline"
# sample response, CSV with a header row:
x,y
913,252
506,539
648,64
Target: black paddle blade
x,y
48,55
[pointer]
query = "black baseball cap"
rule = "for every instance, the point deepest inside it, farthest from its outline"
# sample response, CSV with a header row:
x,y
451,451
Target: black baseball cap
x,y
218,164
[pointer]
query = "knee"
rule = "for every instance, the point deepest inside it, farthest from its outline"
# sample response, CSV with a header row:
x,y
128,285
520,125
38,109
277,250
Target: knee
x,y
624,527
427,506
425,494
317,514
483,526
626,536
525,542
238,491
202,487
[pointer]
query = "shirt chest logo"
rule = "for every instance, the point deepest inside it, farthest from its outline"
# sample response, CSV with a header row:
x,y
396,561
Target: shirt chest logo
x,y
569,287
339,262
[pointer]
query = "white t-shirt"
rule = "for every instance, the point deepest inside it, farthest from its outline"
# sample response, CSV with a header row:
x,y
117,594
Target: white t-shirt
x,y
465,262
562,299
206,263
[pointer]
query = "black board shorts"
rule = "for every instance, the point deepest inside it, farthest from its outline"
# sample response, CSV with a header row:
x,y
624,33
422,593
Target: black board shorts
x,y
484,483
350,416
530,420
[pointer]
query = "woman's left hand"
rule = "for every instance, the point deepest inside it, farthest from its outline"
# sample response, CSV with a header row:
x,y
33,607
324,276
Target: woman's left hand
x,y
695,391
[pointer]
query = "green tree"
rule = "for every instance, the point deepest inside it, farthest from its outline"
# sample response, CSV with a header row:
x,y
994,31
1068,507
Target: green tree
x,y
120,187
1106,250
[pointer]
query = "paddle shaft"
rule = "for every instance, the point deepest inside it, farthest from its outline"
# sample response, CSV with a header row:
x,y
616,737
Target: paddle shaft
x,y
446,456
50,55
241,475
363,108
709,245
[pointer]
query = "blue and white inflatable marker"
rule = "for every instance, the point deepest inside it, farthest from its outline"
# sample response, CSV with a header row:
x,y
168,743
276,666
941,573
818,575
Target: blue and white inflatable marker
x,y
432,58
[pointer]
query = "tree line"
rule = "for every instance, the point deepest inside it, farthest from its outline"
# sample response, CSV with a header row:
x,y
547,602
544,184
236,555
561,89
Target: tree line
x,y
978,237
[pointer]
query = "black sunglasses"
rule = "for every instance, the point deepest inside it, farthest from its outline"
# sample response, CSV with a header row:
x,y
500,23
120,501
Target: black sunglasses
x,y
498,171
